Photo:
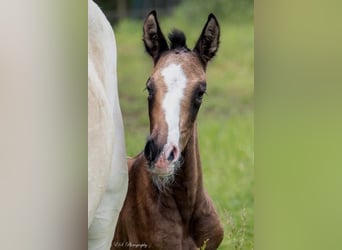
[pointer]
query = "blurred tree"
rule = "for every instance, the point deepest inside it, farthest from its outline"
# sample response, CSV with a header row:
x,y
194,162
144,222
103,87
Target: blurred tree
x,y
236,10
118,9
122,8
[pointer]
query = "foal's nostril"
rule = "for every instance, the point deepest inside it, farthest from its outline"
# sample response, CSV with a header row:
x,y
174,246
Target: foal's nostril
x,y
151,150
173,154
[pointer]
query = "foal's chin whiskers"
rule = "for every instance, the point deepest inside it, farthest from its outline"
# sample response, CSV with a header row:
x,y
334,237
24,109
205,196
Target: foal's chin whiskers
x,y
164,183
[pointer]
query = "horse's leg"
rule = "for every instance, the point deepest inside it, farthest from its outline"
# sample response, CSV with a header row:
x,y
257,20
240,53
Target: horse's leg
x,y
206,225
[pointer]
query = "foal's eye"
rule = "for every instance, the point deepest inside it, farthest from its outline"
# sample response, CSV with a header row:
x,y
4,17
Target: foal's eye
x,y
200,95
150,91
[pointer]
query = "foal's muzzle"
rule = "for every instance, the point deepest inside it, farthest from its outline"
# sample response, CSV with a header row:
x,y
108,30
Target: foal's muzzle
x,y
161,158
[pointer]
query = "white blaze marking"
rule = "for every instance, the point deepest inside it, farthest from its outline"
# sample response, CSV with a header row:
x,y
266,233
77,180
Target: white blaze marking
x,y
175,81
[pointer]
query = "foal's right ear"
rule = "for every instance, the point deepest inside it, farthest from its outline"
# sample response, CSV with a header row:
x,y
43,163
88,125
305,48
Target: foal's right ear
x,y
154,40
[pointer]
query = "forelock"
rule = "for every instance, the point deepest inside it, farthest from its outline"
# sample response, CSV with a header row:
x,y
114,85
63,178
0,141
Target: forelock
x,y
177,40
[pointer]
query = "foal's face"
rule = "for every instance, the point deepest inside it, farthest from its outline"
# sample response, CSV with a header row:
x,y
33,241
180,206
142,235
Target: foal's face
x,y
175,90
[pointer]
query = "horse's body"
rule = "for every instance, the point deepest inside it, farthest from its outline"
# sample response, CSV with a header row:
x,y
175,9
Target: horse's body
x,y
107,166
166,205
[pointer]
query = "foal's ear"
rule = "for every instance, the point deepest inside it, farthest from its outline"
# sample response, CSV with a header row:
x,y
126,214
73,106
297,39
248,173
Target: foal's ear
x,y
154,40
208,42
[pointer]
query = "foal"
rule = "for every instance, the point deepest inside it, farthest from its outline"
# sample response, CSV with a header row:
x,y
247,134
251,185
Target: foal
x,y
166,206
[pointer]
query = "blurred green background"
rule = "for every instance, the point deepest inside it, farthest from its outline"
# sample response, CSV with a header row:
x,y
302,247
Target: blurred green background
x,y
225,121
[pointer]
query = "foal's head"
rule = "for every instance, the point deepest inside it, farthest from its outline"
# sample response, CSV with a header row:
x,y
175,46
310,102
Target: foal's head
x,y
175,90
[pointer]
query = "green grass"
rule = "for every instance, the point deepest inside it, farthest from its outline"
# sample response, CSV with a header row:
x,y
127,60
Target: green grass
x,y
225,121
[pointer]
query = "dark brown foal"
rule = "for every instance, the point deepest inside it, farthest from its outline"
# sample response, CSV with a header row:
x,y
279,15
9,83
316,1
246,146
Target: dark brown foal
x,y
166,206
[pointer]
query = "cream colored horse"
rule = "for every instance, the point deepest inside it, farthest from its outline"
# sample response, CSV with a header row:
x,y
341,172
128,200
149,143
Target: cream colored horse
x,y
107,166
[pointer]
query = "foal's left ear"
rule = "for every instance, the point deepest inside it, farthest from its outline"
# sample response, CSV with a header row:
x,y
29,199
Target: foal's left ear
x,y
208,42
154,40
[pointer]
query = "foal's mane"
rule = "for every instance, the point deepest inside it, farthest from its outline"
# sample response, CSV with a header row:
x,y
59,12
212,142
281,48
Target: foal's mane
x,y
178,40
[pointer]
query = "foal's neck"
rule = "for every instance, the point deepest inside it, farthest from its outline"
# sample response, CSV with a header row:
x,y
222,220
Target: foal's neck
x,y
192,171
188,182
